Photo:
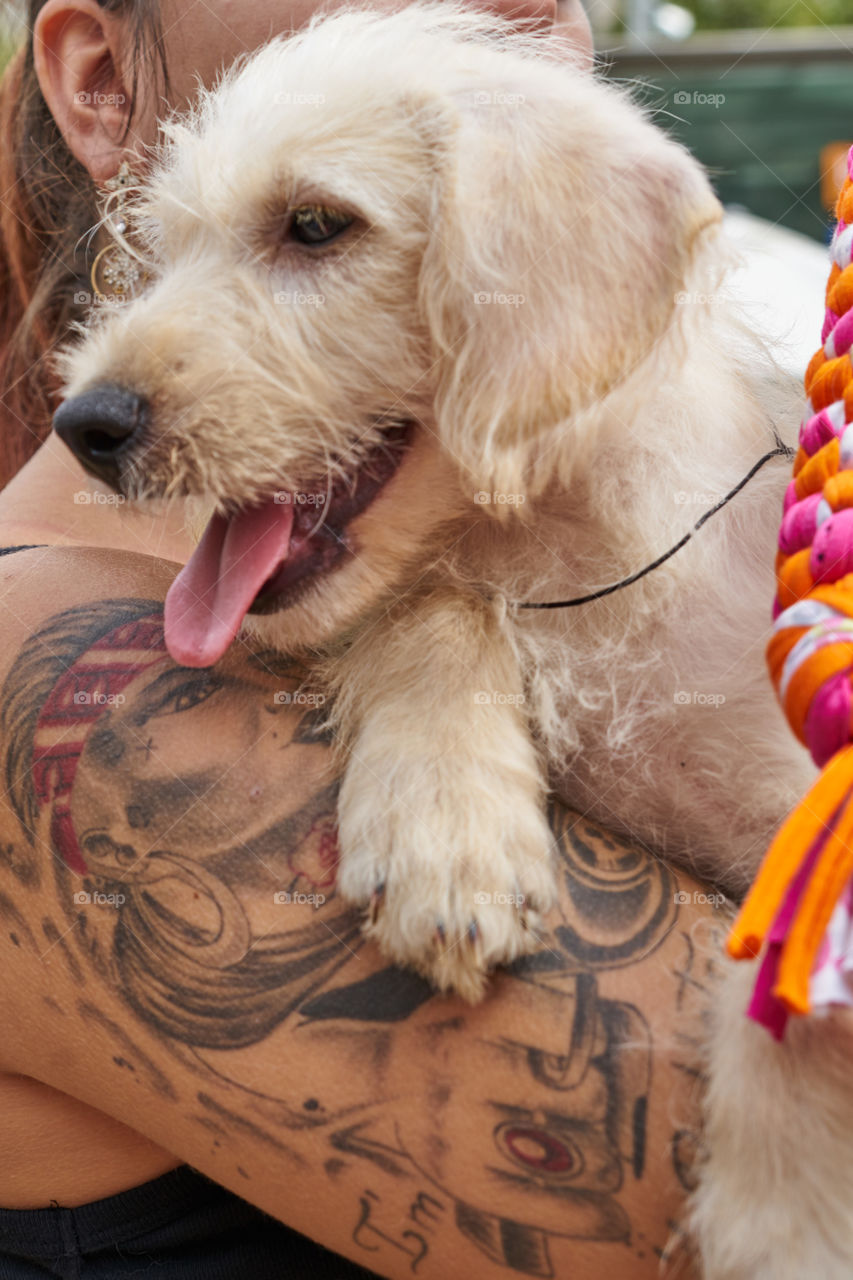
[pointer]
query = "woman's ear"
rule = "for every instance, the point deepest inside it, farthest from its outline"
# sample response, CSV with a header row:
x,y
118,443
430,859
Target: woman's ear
x,y
564,228
78,60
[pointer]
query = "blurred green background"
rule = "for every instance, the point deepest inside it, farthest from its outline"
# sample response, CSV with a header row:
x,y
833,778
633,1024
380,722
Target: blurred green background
x,y
725,14
758,124
755,89
11,19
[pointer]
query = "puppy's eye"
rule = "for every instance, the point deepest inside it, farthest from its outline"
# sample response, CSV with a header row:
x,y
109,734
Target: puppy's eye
x,y
317,224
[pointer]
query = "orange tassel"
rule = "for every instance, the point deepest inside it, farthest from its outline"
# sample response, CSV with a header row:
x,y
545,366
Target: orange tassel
x,y
825,886
783,858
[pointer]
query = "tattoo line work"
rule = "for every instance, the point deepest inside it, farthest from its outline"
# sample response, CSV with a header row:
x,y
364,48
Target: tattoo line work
x,y
181,914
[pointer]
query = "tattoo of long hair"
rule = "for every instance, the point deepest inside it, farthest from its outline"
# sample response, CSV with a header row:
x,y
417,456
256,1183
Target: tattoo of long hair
x,y
42,661
226,991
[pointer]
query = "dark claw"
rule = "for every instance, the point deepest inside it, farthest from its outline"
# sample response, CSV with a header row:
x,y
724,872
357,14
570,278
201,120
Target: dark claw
x,y
440,935
376,900
473,933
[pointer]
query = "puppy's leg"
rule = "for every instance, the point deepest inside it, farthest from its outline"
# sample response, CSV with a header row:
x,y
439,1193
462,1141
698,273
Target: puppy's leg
x,y
441,813
775,1200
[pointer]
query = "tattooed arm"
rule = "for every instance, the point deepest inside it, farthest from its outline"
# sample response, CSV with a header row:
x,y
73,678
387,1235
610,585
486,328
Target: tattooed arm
x,y
173,953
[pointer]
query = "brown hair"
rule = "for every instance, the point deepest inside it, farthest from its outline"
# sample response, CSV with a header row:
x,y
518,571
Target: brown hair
x,y
47,209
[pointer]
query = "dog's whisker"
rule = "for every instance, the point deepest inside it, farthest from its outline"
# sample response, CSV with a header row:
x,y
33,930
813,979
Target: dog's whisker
x,y
318,522
173,197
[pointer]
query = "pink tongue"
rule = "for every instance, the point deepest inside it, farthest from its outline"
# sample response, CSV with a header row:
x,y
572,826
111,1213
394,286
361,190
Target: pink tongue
x,y
212,594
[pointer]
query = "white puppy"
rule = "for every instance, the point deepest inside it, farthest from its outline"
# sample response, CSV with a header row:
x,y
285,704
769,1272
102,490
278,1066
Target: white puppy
x,y
433,328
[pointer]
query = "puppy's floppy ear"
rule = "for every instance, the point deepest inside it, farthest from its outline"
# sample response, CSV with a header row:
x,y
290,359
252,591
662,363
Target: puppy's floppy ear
x,y
562,230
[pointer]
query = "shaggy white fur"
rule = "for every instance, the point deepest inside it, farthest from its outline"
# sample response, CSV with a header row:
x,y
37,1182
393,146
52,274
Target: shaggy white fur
x,y
532,278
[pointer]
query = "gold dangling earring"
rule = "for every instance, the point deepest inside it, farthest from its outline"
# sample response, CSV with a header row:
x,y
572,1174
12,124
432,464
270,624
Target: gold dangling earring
x,y
117,272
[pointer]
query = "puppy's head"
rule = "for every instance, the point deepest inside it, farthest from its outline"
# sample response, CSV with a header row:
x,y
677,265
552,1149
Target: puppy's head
x,y
392,259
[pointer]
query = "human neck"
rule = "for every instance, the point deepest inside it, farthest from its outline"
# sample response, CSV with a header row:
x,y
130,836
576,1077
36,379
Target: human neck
x,y
52,500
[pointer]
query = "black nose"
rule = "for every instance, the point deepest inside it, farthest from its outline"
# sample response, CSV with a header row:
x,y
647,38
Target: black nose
x,y
100,426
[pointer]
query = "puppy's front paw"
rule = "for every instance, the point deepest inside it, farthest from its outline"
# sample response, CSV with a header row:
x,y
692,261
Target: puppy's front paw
x,y
451,885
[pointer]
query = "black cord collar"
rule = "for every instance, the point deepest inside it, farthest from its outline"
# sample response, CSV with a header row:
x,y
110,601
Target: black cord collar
x,y
780,450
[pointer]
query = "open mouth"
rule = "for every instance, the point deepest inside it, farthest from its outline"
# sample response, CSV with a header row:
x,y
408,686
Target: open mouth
x,y
318,539
262,558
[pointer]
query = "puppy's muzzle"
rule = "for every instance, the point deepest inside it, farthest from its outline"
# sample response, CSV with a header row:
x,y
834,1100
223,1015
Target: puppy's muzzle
x,y
101,427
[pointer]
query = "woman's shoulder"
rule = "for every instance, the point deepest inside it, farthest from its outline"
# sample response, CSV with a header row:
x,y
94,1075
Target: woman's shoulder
x,y
40,581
